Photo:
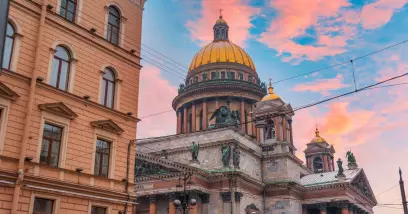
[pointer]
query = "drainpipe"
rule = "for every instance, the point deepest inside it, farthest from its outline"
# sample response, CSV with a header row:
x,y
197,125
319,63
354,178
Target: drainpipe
x,y
17,188
127,175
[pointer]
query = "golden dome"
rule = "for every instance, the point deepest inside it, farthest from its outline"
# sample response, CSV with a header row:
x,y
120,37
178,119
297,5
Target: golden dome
x,y
221,21
271,95
318,139
221,51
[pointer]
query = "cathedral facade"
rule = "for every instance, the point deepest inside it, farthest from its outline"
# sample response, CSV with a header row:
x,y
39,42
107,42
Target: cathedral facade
x,y
234,150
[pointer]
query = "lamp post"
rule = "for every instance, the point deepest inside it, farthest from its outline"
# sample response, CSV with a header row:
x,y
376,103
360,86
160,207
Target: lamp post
x,y
183,205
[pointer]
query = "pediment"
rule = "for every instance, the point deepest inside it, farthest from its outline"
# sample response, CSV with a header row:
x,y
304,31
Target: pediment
x,y
7,93
59,109
107,125
361,184
146,168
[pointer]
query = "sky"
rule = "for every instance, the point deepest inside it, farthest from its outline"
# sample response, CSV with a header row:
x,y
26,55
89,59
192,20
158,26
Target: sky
x,y
287,38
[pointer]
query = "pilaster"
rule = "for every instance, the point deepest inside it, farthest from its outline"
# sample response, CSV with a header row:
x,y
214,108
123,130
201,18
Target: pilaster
x,y
152,204
205,120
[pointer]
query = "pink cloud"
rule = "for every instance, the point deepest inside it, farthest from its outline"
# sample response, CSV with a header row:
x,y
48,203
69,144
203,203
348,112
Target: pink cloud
x,y
156,95
379,13
322,86
237,14
296,16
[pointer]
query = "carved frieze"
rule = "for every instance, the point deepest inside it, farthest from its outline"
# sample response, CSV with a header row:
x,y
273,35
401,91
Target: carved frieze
x,y
144,168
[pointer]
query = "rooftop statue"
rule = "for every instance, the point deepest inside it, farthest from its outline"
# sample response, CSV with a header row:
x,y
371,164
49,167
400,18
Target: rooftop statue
x,y
350,157
225,117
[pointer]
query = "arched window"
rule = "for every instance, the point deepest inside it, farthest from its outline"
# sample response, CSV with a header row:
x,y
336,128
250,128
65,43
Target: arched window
x,y
113,25
60,68
8,46
270,130
108,88
317,164
68,9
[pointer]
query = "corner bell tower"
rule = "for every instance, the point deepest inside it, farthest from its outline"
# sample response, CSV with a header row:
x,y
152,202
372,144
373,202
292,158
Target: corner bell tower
x,y
319,155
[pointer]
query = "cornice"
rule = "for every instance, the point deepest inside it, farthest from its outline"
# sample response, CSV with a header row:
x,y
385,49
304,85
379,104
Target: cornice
x,y
216,86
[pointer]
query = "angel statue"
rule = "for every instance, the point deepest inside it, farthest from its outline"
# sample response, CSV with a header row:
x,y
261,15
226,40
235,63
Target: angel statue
x,y
225,117
350,157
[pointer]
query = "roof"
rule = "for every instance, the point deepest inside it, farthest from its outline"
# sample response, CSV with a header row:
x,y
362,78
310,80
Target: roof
x,y
327,178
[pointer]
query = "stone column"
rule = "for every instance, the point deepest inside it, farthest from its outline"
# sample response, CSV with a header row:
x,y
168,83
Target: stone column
x,y
178,121
284,138
304,209
332,162
324,163
344,208
350,209
205,200
193,118
152,204
329,165
277,129
322,208
243,116
172,197
226,205
261,135
205,115
185,120
291,132
238,197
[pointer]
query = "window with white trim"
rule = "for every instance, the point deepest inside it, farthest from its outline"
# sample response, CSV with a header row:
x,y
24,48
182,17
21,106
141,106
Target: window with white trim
x,y
51,144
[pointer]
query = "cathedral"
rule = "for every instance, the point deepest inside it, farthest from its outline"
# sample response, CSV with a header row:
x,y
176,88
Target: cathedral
x,y
234,151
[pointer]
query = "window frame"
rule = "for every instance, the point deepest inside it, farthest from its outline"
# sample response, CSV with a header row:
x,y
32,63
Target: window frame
x,y
75,2
50,144
109,25
101,205
110,143
56,199
13,38
104,93
60,60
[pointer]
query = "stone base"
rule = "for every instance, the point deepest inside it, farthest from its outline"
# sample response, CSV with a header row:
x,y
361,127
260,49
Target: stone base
x,y
194,162
352,166
341,177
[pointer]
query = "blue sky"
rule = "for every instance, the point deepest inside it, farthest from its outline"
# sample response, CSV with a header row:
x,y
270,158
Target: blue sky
x,y
292,37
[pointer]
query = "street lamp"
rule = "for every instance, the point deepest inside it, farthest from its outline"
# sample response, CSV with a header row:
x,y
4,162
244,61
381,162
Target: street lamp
x,y
183,205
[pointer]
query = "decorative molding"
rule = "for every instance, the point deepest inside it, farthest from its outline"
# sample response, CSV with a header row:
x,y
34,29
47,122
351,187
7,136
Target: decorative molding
x,y
59,109
225,196
7,93
107,125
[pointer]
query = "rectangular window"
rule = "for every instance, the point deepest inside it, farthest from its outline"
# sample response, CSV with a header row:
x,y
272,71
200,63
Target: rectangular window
x,y
241,76
51,143
231,75
214,75
102,158
68,9
222,75
98,210
43,206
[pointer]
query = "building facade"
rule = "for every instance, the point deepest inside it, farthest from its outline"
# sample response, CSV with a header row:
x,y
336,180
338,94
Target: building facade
x,y
68,106
234,150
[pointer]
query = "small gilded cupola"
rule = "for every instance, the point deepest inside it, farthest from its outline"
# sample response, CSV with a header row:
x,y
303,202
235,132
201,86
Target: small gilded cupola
x,y
221,29
319,154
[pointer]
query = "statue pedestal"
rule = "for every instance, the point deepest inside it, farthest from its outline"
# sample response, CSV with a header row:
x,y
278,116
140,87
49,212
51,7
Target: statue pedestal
x,y
341,177
352,166
194,162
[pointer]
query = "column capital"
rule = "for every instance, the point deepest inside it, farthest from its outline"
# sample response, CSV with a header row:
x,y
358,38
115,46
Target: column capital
x,y
344,204
226,196
172,196
205,198
322,206
193,194
238,196
152,199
